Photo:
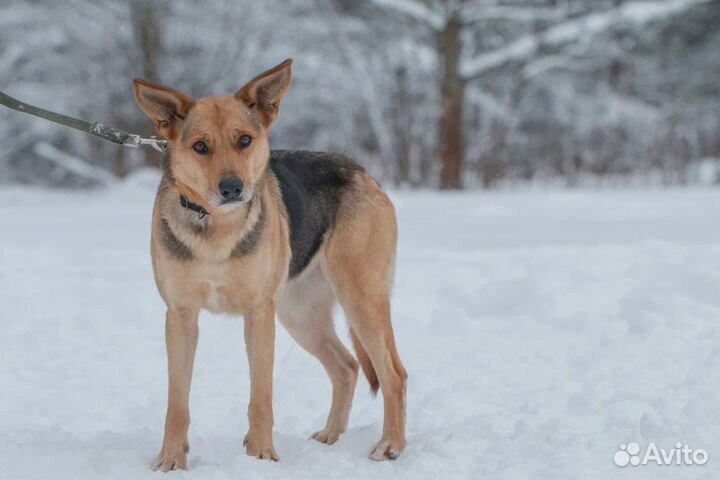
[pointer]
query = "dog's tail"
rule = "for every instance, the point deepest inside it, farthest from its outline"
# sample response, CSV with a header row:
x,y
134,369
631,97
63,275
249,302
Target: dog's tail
x,y
365,363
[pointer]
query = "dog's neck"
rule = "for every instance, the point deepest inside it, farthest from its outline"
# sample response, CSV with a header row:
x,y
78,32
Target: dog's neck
x,y
197,219
186,234
215,235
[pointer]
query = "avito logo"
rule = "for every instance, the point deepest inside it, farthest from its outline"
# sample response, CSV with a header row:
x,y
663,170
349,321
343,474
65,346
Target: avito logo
x,y
630,454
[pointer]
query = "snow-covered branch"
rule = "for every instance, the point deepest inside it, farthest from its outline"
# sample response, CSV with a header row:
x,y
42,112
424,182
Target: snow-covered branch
x,y
415,10
553,62
568,31
74,164
476,13
490,104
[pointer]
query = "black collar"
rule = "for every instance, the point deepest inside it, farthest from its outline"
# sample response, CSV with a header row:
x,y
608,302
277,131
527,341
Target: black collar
x,y
192,206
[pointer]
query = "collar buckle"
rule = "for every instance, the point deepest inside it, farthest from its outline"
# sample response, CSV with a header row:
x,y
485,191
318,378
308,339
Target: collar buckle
x,y
135,141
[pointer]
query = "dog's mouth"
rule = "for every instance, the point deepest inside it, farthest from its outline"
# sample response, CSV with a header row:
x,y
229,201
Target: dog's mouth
x,y
228,205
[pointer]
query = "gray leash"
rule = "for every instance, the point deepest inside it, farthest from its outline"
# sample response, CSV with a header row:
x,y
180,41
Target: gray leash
x,y
112,134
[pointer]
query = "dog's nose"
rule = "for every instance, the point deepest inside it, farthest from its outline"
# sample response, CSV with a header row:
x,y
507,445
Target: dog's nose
x,y
230,188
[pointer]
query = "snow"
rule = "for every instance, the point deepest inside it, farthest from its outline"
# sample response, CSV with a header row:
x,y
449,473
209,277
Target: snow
x,y
540,330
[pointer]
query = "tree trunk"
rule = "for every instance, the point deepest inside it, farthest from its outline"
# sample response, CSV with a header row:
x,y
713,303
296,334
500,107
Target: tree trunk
x,y
402,126
144,17
453,95
147,30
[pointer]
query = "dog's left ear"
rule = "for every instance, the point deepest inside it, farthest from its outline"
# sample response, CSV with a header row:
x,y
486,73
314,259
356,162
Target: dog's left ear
x,y
264,92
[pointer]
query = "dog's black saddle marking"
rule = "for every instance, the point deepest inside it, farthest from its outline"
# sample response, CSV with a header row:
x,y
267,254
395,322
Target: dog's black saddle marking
x,y
312,186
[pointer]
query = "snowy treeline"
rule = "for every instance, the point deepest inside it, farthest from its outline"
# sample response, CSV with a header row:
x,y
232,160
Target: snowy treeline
x,y
422,92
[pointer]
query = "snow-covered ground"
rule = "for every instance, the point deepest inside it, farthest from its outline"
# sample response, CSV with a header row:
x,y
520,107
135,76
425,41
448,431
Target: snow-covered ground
x,y
540,330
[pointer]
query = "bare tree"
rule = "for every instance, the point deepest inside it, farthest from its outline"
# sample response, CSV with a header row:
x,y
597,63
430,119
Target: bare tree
x,y
147,33
451,21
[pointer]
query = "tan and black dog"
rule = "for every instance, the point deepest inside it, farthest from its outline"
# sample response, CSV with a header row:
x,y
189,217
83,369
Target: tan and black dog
x,y
243,230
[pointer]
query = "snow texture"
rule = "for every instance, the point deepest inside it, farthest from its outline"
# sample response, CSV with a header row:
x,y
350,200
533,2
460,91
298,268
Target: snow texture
x,y
540,330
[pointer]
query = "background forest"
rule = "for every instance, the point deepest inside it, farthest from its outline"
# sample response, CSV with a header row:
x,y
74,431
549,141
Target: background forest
x,y
431,93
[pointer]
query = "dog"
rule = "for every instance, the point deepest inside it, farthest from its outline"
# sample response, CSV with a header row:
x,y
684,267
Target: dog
x,y
240,229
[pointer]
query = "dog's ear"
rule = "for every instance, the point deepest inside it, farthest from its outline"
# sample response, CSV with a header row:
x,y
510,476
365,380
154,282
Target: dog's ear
x,y
164,106
264,92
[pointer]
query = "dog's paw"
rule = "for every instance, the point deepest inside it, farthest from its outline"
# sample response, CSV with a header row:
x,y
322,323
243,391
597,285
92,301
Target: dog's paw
x,y
387,449
172,459
262,450
327,436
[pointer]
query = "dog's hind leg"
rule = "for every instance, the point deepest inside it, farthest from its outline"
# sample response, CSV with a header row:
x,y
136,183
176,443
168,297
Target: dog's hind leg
x,y
359,260
305,310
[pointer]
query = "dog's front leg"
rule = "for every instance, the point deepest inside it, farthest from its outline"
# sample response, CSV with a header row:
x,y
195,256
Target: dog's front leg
x,y
181,335
260,345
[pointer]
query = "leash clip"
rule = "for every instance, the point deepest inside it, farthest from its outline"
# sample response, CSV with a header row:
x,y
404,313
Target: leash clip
x,y
135,141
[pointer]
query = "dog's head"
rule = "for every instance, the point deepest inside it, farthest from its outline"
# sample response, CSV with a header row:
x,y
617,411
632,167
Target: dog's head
x,y
218,145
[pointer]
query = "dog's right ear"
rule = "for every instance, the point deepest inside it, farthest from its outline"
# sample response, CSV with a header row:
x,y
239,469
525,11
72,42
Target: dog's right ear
x,y
164,106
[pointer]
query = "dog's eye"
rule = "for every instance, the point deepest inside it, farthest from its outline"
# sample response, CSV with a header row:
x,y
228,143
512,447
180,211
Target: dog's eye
x,y
244,141
200,147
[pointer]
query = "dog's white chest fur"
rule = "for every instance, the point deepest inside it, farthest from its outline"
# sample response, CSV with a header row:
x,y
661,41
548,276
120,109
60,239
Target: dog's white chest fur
x,y
215,300
214,284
